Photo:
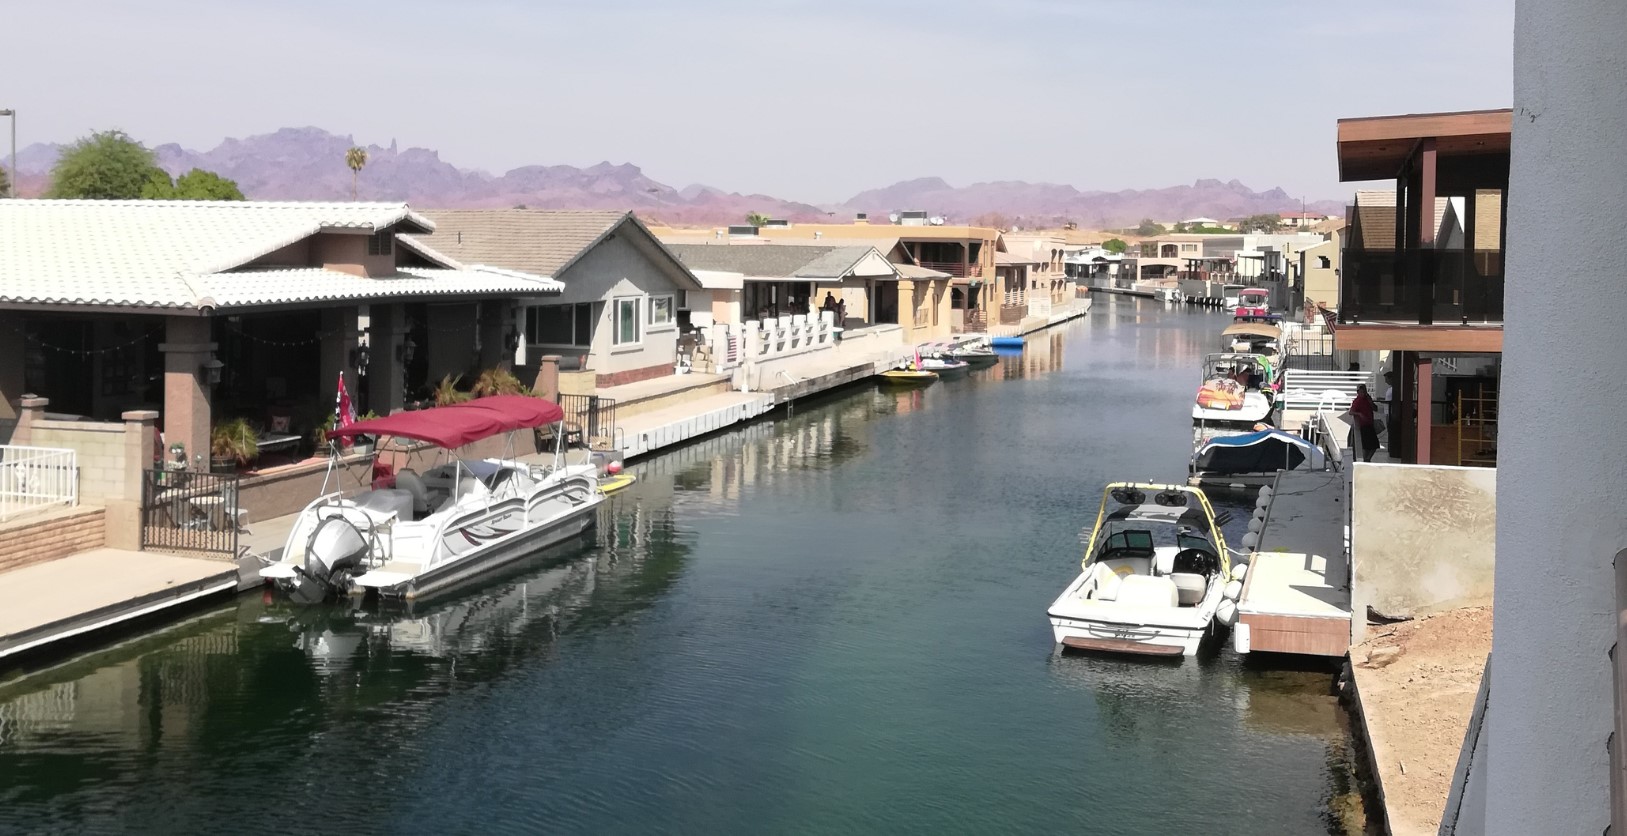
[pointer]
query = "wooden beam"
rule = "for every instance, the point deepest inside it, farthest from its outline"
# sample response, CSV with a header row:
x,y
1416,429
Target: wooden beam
x,y
1426,396
1411,126
1464,339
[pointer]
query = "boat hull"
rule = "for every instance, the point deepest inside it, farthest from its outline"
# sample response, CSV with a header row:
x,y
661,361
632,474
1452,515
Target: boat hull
x,y
471,565
1139,640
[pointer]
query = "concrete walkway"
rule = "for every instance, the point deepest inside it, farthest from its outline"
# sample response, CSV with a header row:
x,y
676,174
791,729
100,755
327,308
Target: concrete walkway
x,y
82,593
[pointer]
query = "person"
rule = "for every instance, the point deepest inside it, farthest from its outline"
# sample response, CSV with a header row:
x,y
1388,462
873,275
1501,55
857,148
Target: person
x,y
830,302
1362,410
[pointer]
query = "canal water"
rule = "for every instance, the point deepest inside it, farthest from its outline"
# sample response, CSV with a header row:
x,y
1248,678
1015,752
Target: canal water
x,y
830,623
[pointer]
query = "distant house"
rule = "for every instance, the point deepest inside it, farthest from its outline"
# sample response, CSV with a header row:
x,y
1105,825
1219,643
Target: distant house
x,y
1300,220
618,313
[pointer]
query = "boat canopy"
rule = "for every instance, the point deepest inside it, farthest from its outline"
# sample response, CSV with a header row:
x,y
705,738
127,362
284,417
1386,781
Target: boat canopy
x,y
1254,291
1253,329
1259,452
455,425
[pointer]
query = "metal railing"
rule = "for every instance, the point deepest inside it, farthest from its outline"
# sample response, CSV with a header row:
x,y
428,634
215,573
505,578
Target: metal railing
x,y
955,268
184,511
590,420
1423,286
1311,351
32,478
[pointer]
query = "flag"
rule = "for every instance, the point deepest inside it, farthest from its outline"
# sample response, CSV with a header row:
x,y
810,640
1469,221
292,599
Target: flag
x,y
344,414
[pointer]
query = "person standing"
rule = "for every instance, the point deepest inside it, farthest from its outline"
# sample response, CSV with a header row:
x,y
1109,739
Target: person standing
x,y
1362,409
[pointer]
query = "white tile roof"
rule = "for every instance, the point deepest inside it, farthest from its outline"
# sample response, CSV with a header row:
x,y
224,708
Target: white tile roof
x,y
177,254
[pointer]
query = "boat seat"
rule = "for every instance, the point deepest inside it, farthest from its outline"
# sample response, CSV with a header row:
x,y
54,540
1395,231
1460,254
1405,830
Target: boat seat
x,y
1148,591
408,480
1107,583
467,486
1190,587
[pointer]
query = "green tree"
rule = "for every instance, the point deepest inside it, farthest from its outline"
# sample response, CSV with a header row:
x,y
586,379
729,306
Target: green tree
x,y
107,165
198,184
756,219
1268,222
1149,228
356,158
1115,245
1180,226
5,182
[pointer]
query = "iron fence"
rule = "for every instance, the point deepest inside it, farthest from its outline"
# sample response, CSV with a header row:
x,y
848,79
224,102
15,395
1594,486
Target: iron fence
x,y
1312,352
185,511
36,477
590,421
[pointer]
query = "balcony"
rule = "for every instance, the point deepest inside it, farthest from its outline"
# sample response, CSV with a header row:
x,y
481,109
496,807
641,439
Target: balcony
x,y
1422,286
955,268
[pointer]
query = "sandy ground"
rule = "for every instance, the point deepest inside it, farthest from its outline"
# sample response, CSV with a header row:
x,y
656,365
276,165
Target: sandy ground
x,y
1417,681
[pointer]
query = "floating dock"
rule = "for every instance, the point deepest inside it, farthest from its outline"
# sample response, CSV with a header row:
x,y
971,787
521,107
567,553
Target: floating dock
x,y
62,599
1296,597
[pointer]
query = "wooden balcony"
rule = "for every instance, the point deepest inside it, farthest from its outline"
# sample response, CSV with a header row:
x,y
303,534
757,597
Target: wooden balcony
x,y
955,268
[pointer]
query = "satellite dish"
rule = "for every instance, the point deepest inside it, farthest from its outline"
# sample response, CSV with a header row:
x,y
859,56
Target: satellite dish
x,y
893,217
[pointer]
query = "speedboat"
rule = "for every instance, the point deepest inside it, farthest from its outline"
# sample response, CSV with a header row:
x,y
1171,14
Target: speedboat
x,y
1238,394
940,362
1155,574
908,376
1251,460
446,525
975,352
1252,338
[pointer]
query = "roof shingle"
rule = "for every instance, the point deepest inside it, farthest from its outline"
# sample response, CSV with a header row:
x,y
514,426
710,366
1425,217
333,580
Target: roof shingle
x,y
799,262
536,241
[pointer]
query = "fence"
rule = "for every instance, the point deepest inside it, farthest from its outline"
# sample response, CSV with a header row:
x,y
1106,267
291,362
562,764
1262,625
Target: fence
x,y
32,478
590,421
1311,351
184,511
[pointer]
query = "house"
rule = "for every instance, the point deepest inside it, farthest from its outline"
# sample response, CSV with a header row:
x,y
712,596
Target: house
x,y
1048,282
185,314
789,279
1299,220
1318,272
618,313
1422,275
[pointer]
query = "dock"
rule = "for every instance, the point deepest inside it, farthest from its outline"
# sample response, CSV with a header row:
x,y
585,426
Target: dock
x,y
70,597
1296,596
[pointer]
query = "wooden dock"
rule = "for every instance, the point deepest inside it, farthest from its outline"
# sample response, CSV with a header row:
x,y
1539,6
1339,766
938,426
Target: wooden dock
x,y
1296,598
74,596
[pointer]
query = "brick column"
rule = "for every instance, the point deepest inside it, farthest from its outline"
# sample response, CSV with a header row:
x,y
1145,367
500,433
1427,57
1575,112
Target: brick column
x,y
386,333
187,418
547,383
123,515
30,411
906,305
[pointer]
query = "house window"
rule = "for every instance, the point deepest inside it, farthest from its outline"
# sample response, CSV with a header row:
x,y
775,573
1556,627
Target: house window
x,y
1189,248
559,325
626,322
380,243
1323,262
660,311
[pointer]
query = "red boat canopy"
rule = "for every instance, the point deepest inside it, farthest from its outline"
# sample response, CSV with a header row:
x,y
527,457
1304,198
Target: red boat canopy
x,y
458,424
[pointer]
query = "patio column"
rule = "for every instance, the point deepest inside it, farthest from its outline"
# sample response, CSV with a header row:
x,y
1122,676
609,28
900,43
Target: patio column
x,y
1560,476
11,373
1426,407
338,339
187,419
547,382
496,318
906,305
123,517
385,389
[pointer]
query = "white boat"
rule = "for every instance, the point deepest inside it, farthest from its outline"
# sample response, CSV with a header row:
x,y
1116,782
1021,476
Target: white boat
x,y
1237,395
447,525
1155,576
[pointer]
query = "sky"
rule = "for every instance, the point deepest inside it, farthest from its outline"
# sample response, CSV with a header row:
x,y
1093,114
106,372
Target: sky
x,y
802,100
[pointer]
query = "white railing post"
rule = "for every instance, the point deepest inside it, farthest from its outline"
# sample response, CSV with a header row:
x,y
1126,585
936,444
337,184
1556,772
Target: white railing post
x,y
37,477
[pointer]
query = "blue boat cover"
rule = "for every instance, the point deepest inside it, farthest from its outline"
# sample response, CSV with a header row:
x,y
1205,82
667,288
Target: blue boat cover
x,y
1266,451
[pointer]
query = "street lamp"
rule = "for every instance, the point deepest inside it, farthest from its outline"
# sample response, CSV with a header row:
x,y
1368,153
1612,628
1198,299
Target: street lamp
x,y
11,187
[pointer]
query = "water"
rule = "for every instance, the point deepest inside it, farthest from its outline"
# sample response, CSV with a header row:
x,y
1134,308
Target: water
x,y
828,624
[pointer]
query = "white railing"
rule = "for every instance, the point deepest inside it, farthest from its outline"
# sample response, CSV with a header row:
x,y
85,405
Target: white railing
x,y
775,337
32,478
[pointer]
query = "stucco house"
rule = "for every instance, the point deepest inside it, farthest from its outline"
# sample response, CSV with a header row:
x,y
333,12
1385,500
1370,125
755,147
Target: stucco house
x,y
618,315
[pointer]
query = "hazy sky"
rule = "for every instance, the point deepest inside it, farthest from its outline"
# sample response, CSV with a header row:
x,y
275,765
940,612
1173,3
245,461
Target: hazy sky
x,y
799,99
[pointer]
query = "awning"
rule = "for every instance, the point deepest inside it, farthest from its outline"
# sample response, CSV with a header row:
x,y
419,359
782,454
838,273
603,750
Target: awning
x,y
459,424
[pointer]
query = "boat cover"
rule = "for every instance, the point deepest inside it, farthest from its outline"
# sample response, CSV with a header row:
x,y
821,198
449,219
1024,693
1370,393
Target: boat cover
x,y
1259,452
1252,329
455,425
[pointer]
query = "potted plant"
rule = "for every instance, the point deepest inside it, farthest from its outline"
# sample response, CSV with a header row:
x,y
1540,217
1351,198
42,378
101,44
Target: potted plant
x,y
232,444
448,393
363,444
498,382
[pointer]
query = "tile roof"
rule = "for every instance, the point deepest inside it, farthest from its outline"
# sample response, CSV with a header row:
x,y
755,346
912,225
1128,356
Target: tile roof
x,y
536,241
303,284
161,253
1374,218
915,271
1014,258
799,262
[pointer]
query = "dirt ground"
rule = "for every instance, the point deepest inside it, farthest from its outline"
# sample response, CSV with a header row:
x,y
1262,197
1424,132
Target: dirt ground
x,y
1418,681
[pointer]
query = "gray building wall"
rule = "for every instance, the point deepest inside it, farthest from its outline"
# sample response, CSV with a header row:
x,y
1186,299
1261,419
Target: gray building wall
x,y
619,269
1559,506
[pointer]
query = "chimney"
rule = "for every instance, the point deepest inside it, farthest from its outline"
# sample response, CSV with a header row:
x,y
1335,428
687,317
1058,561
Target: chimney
x,y
861,218
818,235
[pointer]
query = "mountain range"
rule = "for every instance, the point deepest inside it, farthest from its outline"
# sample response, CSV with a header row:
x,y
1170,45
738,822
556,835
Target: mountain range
x,y
308,164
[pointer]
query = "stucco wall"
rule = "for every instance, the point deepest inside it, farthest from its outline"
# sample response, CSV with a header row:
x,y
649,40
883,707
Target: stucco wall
x,y
615,269
1421,539
1551,694
1322,284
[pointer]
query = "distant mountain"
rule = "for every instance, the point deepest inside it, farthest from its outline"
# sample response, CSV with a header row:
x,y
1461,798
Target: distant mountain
x,y
308,164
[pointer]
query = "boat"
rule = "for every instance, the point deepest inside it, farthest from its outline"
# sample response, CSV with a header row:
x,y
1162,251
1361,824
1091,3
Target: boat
x,y
1252,338
908,376
615,482
934,359
1237,394
1155,575
977,352
460,519
1253,305
1006,342
1229,294
1251,460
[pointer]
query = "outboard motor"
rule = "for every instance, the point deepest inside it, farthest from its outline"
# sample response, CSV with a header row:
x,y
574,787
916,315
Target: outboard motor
x,y
335,550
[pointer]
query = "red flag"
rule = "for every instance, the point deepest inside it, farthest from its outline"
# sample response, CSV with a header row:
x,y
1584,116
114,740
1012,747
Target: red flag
x,y
344,413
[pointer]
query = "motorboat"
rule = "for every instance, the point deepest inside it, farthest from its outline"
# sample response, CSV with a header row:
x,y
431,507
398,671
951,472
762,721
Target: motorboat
x,y
1237,394
1253,304
976,352
1252,338
442,527
936,359
1155,574
1251,460
908,376
1230,294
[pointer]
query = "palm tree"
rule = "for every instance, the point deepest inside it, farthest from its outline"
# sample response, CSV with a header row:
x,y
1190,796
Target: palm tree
x,y
356,158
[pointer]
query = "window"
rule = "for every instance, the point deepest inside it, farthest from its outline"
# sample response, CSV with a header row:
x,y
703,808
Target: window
x,y
1323,262
1189,248
559,325
660,311
380,243
626,323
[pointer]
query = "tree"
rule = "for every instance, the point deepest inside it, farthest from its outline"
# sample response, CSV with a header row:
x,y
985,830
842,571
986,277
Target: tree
x,y
756,219
196,184
1180,226
1149,228
107,165
1268,222
5,182
356,158
1115,245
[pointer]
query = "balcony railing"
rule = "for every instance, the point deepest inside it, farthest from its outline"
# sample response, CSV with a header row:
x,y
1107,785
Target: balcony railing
x,y
955,268
1425,286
